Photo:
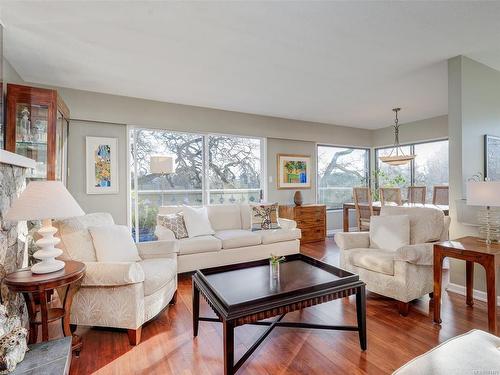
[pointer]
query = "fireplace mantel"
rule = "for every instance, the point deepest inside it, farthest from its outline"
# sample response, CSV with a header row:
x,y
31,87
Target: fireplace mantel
x,y
7,157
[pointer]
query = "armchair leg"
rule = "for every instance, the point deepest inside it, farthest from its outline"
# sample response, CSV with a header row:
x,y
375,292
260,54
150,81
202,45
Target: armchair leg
x,y
431,295
173,301
134,336
403,308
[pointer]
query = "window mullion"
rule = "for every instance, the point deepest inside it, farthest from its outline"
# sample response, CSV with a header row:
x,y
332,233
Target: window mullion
x,y
205,181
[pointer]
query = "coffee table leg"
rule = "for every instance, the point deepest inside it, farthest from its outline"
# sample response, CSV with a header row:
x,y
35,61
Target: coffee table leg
x,y
228,338
196,309
361,313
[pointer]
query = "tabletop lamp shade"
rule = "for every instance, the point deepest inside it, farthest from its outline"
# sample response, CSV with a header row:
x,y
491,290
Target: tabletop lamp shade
x,y
162,164
485,193
44,200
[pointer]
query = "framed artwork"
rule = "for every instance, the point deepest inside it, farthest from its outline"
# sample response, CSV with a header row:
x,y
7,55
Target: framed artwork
x,y
101,165
492,157
294,171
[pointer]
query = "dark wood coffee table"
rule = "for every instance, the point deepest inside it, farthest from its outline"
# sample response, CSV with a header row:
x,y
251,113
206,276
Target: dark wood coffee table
x,y
245,293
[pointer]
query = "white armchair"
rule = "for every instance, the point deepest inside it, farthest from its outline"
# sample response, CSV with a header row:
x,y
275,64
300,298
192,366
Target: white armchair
x,y
119,294
405,274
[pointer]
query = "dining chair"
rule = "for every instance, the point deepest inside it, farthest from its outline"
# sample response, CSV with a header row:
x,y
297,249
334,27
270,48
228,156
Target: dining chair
x,y
441,195
417,194
390,195
364,207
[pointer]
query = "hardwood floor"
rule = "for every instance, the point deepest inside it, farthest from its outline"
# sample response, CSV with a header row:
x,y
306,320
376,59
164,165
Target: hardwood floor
x,y
168,347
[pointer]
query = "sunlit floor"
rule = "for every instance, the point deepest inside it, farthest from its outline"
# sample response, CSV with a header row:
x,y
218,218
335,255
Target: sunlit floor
x,y
168,347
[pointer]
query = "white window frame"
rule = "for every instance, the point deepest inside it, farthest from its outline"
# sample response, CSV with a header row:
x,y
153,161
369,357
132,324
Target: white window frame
x,y
131,131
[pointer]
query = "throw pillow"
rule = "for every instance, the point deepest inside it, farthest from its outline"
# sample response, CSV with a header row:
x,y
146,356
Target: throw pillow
x,y
389,232
264,216
196,221
174,222
114,243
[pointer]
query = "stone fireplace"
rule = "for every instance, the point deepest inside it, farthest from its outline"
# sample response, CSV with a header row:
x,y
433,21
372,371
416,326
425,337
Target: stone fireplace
x,y
12,235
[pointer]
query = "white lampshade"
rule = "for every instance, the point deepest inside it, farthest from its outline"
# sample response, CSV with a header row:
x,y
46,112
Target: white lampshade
x,y
485,193
163,164
44,200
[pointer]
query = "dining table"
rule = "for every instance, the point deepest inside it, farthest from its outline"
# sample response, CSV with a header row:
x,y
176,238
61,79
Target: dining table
x,y
377,205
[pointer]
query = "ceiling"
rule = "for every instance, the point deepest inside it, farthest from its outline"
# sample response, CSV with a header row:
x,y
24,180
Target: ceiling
x,y
345,63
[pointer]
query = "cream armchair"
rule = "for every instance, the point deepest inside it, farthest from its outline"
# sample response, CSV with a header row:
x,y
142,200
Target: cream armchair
x,y
405,274
118,294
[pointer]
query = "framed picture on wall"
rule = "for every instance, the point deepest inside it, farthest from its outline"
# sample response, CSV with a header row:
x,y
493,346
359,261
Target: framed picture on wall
x,y
101,165
294,171
492,157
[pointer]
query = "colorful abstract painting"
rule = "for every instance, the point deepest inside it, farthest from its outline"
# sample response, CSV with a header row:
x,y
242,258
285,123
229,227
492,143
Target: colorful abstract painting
x,y
294,171
101,165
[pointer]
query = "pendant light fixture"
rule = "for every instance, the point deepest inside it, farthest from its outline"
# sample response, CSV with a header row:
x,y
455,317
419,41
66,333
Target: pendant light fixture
x,y
397,156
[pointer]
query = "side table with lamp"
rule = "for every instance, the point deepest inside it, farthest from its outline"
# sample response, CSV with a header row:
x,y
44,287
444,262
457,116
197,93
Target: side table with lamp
x,y
46,200
484,250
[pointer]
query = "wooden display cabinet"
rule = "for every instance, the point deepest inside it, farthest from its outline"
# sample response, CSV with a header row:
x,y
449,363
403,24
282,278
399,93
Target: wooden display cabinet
x,y
37,127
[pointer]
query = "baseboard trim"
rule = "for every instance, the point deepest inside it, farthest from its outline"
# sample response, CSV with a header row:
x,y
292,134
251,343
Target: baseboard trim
x,y
477,294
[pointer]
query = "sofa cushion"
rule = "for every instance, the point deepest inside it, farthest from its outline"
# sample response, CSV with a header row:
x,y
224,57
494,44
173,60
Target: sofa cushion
x,y
234,238
202,244
76,241
246,216
196,221
224,216
114,243
174,223
381,261
389,232
426,223
279,235
157,273
264,216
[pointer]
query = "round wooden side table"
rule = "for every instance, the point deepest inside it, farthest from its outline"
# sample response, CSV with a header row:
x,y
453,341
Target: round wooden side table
x,y
35,287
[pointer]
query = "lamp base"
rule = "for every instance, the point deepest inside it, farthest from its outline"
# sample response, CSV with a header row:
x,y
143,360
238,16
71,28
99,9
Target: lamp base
x,y
489,225
48,252
48,266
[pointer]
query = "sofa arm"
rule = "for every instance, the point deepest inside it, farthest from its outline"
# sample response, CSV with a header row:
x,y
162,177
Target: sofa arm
x,y
420,254
112,274
352,240
287,223
157,249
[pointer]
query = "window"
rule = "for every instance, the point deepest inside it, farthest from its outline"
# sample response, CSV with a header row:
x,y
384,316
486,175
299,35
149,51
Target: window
x,y
431,165
339,170
429,168
208,168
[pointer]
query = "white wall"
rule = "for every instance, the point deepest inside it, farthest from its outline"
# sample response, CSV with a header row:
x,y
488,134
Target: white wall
x,y
113,112
412,132
474,110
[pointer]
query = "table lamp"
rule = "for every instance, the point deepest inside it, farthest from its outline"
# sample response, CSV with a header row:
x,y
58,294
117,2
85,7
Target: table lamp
x,y
487,195
162,164
45,200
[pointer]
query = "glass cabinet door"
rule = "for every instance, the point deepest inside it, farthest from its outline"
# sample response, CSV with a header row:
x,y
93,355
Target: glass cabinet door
x,y
31,136
61,147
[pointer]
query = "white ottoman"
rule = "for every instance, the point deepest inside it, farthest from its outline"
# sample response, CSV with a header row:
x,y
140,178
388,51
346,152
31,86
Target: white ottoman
x,y
474,352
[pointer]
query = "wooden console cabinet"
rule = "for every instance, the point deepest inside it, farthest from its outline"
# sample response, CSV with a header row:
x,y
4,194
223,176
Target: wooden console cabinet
x,y
310,218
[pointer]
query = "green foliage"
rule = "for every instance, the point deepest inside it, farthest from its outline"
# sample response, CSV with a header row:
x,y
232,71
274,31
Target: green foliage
x,y
276,259
147,215
384,180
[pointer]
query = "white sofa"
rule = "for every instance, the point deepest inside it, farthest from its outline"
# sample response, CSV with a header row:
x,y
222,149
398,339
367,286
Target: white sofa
x,y
405,274
233,241
118,294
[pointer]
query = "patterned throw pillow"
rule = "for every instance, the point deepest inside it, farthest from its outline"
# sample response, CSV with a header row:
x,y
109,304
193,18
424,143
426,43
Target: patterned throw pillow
x,y
265,216
174,222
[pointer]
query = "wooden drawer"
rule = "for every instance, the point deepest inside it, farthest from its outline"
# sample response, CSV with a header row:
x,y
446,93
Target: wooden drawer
x,y
315,222
313,234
